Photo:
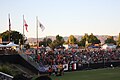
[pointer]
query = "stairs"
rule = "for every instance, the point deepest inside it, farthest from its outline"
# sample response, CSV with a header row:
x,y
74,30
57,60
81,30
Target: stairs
x,y
25,61
40,68
24,70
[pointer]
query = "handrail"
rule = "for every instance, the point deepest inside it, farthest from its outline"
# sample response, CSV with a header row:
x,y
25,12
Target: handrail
x,y
36,65
6,75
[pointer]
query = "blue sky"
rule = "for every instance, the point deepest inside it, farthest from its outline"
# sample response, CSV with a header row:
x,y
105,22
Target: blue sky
x,y
63,17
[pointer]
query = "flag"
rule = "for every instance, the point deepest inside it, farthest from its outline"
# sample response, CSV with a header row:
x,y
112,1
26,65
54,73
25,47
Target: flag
x,y
26,25
41,26
9,23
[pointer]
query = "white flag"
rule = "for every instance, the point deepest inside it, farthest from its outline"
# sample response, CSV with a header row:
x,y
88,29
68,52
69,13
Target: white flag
x,y
41,26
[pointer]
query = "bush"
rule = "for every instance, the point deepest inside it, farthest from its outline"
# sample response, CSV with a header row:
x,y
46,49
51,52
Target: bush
x,y
5,69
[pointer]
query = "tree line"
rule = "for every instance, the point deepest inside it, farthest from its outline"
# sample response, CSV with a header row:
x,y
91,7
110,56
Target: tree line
x,y
85,41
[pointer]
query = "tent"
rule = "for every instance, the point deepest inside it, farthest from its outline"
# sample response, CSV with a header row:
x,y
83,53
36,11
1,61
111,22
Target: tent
x,y
109,46
11,44
1,46
14,46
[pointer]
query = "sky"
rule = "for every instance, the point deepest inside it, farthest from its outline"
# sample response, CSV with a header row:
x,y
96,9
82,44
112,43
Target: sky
x,y
63,17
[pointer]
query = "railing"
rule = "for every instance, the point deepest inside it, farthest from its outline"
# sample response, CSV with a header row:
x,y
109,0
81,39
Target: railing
x,y
4,76
32,62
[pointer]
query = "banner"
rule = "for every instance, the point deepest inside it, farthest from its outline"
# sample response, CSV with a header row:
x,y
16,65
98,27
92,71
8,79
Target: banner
x,y
65,66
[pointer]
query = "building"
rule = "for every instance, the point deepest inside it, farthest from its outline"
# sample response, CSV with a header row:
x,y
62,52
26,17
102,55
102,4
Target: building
x,y
108,46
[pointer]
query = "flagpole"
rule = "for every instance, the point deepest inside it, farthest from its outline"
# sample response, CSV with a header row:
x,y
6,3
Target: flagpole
x,y
37,32
9,27
23,31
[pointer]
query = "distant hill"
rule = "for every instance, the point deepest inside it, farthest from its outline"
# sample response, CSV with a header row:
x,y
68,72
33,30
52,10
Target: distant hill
x,y
101,37
31,40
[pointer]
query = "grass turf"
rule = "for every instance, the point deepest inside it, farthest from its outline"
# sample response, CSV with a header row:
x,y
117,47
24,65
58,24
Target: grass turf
x,y
96,74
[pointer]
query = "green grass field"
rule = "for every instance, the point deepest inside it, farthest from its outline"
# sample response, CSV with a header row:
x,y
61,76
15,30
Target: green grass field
x,y
96,74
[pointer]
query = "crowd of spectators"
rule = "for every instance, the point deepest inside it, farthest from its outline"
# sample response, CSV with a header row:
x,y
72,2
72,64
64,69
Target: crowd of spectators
x,y
69,56
5,51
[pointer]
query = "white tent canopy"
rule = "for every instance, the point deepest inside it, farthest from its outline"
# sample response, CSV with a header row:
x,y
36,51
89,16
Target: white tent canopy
x,y
109,46
1,46
11,44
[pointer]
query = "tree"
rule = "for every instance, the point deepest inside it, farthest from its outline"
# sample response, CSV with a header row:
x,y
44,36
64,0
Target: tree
x,y
82,43
110,40
93,39
87,40
57,42
118,41
72,40
15,37
46,42
83,40
5,36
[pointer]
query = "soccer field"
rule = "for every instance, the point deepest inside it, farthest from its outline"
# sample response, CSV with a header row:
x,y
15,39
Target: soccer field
x,y
96,74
